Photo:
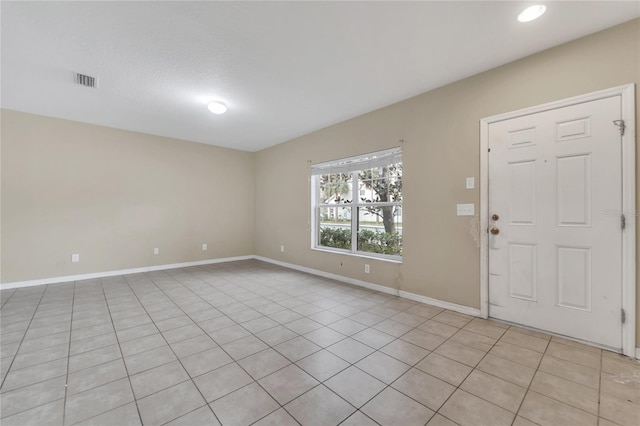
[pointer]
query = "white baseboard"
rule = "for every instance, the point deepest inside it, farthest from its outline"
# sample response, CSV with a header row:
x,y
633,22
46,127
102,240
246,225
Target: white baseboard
x,y
376,287
200,262
637,353
359,283
93,275
441,304
371,286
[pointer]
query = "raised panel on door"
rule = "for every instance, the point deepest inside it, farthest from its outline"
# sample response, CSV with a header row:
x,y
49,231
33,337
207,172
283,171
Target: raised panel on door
x,y
573,129
574,190
522,192
522,271
573,284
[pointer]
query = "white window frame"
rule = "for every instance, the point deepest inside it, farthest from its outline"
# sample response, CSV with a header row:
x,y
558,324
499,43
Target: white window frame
x,y
352,166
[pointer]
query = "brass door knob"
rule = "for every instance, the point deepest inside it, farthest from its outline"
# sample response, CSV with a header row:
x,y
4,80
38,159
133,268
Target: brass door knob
x,y
495,217
495,231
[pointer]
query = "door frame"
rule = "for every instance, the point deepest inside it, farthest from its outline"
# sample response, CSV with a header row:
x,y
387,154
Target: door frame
x,y
627,93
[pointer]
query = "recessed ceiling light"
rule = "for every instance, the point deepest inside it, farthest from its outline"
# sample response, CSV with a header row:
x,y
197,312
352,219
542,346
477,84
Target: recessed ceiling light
x,y
217,107
531,13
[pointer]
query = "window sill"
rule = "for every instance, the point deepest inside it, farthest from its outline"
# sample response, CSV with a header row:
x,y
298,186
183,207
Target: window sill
x,y
362,255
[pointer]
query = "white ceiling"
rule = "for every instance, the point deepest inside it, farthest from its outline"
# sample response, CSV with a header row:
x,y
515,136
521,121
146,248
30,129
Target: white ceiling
x,y
283,68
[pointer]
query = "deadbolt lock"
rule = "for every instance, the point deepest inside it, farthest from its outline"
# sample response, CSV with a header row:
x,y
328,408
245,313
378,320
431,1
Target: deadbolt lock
x,y
495,217
495,231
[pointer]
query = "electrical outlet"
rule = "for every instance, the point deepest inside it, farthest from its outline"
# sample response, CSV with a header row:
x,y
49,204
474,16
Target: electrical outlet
x,y
156,250
367,268
282,248
204,246
75,258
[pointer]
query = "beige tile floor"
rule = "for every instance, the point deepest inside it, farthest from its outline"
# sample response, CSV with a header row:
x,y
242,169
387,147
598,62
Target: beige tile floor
x,y
250,343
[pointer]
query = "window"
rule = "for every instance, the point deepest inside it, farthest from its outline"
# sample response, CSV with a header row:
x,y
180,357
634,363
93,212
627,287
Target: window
x,y
357,205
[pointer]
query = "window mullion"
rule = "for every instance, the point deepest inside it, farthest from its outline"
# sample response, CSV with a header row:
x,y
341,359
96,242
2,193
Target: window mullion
x,y
355,185
316,210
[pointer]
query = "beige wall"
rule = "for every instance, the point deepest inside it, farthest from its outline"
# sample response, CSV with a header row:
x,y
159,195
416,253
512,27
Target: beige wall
x,y
112,196
441,129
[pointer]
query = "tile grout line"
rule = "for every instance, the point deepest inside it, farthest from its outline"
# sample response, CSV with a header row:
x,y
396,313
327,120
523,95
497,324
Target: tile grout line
x,y
66,379
570,381
599,387
536,370
103,384
250,288
172,350
470,372
351,364
396,338
240,366
354,363
379,350
21,387
126,369
446,339
256,381
531,382
350,336
23,337
8,298
422,359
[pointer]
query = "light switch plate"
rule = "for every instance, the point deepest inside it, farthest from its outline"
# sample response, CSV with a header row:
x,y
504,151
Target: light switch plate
x,y
471,182
466,209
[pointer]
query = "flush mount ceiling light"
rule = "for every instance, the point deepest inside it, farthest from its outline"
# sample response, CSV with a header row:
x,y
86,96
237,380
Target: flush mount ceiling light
x,y
531,13
217,107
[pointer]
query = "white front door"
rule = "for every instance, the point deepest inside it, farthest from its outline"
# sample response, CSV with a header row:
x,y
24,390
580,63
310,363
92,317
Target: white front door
x,y
555,201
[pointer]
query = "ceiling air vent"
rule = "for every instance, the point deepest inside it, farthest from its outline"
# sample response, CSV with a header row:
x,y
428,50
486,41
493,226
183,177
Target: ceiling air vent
x,y
86,80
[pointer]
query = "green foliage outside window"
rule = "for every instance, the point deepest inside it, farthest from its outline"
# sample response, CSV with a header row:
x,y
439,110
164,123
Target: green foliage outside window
x,y
380,242
336,237
368,241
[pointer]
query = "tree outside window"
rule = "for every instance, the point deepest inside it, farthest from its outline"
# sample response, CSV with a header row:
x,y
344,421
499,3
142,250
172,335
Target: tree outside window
x,y
358,205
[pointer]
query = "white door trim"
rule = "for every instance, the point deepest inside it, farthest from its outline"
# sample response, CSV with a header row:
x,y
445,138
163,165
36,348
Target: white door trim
x,y
627,93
